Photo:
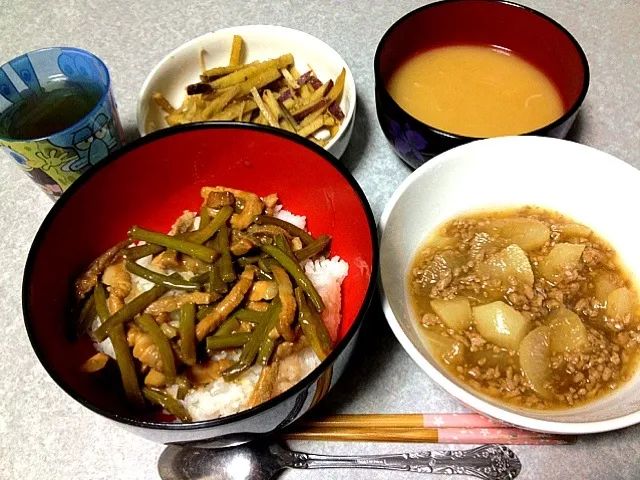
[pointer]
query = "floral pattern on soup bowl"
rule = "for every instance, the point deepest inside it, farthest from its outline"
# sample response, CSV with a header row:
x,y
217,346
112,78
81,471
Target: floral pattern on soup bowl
x,y
528,33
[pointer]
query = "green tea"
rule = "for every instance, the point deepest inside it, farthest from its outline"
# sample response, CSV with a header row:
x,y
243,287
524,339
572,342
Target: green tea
x,y
50,111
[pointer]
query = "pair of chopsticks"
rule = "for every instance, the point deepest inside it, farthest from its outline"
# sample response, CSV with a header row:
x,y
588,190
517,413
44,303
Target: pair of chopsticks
x,y
466,428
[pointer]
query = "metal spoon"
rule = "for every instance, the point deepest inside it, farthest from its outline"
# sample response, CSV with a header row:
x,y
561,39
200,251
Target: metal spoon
x,y
263,461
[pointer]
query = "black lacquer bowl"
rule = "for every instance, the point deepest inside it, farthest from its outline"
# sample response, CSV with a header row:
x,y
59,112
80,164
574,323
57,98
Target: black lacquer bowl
x,y
530,34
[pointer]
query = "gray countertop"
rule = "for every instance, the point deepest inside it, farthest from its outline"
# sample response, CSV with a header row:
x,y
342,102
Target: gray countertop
x,y
45,434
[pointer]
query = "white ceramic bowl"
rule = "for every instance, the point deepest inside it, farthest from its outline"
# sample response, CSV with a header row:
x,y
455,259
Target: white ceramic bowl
x,y
261,42
589,186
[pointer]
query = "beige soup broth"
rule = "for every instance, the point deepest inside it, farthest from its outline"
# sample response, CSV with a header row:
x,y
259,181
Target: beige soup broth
x,y
527,307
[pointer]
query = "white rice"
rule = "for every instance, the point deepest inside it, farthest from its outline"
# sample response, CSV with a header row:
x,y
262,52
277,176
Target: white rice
x,y
299,221
327,276
104,346
220,398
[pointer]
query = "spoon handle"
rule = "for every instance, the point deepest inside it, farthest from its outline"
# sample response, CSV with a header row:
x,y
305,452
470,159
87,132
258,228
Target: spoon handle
x,y
489,462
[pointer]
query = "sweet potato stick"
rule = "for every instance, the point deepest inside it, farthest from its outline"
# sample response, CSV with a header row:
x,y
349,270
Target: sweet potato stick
x,y
258,81
274,106
232,110
312,127
310,108
241,113
213,73
247,73
236,51
163,103
338,87
313,98
263,108
294,72
271,103
288,117
289,103
328,120
219,103
311,117
332,96
289,78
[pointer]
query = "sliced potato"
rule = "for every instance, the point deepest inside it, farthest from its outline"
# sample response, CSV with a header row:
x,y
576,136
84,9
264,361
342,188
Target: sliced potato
x,y
562,257
528,233
500,324
621,302
441,241
605,283
441,264
573,230
535,353
454,313
510,262
568,333
446,349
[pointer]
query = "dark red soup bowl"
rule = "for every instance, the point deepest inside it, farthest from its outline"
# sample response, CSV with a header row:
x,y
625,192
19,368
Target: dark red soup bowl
x,y
150,183
528,33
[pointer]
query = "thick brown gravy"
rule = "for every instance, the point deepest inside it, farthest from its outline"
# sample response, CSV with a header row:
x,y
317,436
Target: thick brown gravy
x,y
527,307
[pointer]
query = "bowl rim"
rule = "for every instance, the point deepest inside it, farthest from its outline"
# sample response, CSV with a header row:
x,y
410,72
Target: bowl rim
x,y
467,398
381,88
349,115
99,103
296,388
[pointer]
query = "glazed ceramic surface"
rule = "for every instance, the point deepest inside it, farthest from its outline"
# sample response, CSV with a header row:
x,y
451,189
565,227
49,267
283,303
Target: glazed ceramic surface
x,y
261,42
502,173
169,168
530,34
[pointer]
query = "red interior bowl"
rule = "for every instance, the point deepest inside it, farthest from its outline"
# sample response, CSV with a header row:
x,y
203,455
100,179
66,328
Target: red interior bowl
x,y
150,183
524,31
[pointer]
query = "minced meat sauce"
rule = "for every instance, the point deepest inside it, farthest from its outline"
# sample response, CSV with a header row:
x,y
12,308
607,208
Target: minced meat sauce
x,y
527,307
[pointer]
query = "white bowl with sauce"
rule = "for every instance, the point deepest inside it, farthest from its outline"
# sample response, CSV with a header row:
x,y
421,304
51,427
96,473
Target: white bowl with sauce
x,y
181,67
587,185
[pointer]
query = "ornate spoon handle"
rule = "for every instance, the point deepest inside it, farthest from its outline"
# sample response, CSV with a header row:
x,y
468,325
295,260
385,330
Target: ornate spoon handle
x,y
489,462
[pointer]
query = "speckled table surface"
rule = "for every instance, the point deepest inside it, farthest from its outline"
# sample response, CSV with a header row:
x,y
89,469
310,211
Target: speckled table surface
x,y
45,434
